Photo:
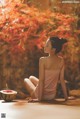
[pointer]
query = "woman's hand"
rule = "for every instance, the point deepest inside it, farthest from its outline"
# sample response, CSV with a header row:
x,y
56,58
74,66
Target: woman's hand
x,y
70,98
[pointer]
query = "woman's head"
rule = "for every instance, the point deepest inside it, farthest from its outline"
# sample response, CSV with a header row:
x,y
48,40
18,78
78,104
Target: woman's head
x,y
54,44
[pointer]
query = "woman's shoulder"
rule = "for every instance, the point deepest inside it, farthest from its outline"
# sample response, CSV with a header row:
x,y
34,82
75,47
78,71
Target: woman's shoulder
x,y
42,59
61,59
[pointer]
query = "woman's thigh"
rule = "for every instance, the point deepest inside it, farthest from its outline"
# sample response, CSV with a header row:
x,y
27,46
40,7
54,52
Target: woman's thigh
x,y
34,80
29,86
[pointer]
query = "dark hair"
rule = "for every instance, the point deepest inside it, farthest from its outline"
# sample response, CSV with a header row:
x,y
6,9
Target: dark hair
x,y
57,43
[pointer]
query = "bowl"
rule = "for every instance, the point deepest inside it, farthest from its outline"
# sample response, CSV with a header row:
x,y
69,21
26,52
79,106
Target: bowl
x,y
8,95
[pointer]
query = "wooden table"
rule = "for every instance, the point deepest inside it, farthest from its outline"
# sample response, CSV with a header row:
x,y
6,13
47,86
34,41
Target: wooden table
x,y
21,109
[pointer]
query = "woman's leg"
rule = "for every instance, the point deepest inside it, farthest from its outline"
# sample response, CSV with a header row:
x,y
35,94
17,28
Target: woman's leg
x,y
30,87
34,80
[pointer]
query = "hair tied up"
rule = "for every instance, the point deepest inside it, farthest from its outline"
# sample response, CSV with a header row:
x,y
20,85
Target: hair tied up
x,y
57,43
63,41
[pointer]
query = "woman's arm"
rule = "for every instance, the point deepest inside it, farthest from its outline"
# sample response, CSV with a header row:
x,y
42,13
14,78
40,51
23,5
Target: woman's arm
x,y
63,83
41,79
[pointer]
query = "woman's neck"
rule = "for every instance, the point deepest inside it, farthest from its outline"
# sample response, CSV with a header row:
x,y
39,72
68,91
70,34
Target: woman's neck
x,y
53,55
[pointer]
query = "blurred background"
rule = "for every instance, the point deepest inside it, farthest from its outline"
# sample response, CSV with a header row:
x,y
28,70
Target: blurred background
x,y
25,25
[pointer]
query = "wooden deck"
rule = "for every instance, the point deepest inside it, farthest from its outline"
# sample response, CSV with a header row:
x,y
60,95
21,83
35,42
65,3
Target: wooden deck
x,y
21,109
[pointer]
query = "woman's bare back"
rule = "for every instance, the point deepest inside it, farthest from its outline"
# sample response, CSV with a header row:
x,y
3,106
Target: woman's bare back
x,y
53,63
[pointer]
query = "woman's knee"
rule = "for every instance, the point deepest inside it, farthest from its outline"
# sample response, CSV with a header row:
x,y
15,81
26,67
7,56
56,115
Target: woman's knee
x,y
34,80
26,80
32,77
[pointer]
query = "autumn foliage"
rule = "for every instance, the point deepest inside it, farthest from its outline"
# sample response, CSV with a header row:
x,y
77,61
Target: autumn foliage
x,y
21,24
23,32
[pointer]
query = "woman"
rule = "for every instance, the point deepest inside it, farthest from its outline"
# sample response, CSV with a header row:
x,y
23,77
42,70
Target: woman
x,y
51,70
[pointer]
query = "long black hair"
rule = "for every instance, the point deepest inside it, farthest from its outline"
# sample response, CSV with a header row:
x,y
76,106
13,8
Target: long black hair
x,y
57,43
